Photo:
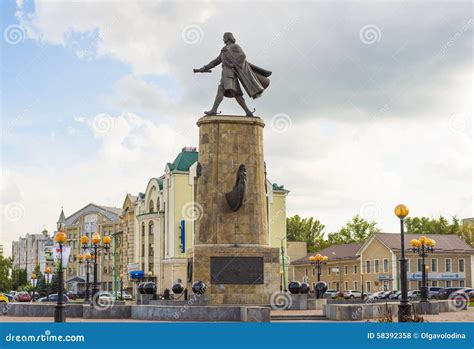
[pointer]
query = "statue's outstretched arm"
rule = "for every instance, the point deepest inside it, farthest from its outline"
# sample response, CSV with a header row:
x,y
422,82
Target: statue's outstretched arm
x,y
207,68
213,63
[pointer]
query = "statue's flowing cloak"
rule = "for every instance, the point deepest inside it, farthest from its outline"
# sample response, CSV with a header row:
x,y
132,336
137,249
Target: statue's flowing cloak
x,y
253,78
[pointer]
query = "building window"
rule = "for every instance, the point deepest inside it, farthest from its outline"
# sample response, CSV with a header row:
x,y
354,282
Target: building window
x,y
367,267
305,272
376,266
345,270
313,272
329,270
419,285
448,283
385,265
434,265
434,283
355,269
461,283
150,228
461,265
448,265
151,207
367,286
356,285
419,264
346,285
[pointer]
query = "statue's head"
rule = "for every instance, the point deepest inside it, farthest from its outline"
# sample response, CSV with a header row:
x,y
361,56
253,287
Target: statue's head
x,y
229,37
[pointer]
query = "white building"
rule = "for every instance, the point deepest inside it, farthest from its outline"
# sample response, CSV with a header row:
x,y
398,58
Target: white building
x,y
29,251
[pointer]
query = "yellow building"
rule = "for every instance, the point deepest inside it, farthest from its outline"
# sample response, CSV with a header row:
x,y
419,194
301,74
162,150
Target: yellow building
x,y
165,216
374,265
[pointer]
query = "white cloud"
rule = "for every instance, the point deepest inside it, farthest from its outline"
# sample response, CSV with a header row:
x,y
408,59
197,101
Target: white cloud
x,y
129,153
369,123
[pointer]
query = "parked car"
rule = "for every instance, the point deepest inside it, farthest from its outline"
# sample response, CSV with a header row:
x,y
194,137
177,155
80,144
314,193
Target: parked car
x,y
54,298
350,294
35,296
4,298
444,293
125,295
395,295
71,295
377,295
105,298
23,297
414,294
433,291
387,294
13,293
330,294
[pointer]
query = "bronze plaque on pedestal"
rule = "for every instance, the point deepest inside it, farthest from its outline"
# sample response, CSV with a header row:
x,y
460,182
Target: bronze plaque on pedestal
x,y
237,270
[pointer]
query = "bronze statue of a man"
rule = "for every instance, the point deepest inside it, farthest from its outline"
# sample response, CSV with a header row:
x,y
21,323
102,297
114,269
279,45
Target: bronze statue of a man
x,y
235,71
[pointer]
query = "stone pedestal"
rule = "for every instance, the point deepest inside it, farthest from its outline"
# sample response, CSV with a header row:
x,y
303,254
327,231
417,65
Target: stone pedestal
x,y
231,252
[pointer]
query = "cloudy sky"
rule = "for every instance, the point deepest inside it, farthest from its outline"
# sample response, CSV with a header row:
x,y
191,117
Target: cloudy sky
x,y
370,104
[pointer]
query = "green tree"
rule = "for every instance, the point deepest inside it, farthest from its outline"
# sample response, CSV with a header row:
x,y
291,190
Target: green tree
x,y
40,283
309,230
356,230
19,278
5,274
440,225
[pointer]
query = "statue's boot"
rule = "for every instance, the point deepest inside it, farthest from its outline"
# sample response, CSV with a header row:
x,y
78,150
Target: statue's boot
x,y
211,112
217,101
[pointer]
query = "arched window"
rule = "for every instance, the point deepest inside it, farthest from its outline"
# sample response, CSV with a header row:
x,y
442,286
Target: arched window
x,y
151,207
150,228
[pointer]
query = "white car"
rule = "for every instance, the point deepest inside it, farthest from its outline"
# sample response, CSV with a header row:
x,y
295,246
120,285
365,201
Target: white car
x,y
126,296
349,294
330,293
105,298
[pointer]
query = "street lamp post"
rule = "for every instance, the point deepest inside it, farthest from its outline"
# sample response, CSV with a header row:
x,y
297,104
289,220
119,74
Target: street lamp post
x,y
404,311
61,239
86,258
34,280
423,246
48,276
318,260
121,286
96,247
